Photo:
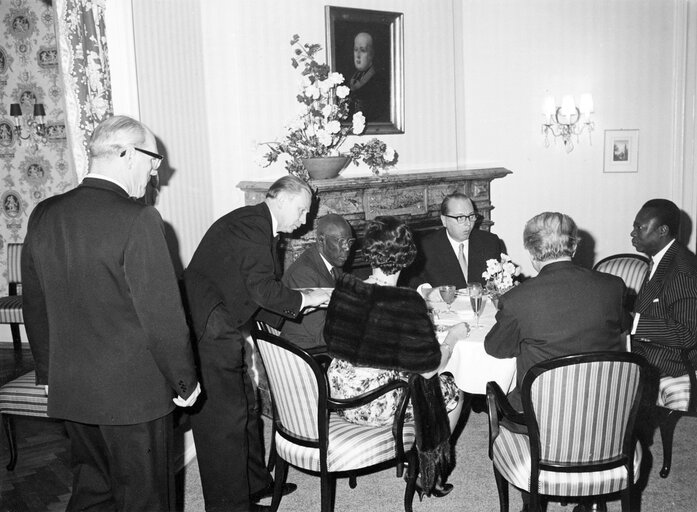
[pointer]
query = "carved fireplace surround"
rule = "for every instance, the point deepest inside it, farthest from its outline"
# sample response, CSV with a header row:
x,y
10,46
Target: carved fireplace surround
x,y
414,197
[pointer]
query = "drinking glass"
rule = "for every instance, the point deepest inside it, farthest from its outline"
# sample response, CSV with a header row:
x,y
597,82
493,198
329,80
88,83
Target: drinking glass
x,y
447,293
476,299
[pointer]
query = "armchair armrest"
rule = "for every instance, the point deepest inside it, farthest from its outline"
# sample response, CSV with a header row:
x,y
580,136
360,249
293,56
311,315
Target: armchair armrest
x,y
685,356
337,404
499,408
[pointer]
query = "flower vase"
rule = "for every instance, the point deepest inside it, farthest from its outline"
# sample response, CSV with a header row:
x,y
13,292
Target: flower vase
x,y
493,293
325,167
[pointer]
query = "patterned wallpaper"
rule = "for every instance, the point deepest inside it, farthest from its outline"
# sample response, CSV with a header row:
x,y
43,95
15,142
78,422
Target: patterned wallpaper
x,y
31,169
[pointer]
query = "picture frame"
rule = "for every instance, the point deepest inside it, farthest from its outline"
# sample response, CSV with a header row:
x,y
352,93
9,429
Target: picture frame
x,y
376,75
621,151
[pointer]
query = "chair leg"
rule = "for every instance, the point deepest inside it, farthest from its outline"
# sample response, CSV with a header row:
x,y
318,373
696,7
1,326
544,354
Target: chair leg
x,y
272,450
280,475
502,486
8,423
410,477
626,499
667,426
353,479
16,339
328,487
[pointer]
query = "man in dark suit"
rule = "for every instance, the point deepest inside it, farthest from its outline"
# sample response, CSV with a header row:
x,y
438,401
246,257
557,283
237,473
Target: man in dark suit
x,y
564,310
665,320
456,254
106,325
234,273
319,266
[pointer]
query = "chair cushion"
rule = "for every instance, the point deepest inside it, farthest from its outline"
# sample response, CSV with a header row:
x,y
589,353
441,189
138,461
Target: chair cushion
x,y
11,310
511,457
375,445
674,392
22,397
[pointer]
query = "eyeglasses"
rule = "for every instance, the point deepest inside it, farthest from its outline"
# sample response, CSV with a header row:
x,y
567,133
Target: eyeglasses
x,y
156,158
461,219
342,241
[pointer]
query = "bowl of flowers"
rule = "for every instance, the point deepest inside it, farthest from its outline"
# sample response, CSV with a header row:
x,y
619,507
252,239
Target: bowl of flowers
x,y
500,277
311,145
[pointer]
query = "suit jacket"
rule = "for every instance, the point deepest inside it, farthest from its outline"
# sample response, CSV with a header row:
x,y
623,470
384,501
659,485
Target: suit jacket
x,y
437,263
102,308
564,310
668,307
308,271
236,264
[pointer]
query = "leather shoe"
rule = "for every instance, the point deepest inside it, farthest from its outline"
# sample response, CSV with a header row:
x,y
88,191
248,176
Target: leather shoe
x,y
267,492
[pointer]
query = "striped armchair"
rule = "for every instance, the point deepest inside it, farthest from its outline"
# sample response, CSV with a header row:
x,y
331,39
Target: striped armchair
x,y
631,268
675,400
578,423
310,435
11,305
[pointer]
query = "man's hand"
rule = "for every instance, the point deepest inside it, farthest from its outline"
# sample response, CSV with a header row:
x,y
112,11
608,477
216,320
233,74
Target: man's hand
x,y
315,298
189,401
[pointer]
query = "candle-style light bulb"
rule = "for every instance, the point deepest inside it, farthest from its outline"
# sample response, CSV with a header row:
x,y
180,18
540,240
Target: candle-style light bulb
x,y
568,107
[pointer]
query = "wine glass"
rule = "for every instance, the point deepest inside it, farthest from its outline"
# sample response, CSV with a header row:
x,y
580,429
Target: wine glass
x,y
447,293
476,299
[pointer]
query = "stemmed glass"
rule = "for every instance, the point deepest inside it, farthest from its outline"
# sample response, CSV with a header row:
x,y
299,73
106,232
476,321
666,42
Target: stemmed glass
x,y
447,293
476,299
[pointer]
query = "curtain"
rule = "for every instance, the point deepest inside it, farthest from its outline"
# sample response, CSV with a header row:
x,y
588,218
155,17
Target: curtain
x,y
82,48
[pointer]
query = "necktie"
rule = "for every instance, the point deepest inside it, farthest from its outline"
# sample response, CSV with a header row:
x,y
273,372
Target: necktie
x,y
462,260
335,274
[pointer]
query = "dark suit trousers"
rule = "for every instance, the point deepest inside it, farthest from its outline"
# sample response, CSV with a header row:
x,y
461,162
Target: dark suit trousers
x,y
122,467
226,426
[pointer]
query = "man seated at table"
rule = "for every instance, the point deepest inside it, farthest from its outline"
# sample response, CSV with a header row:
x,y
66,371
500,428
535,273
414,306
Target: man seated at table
x,y
455,254
665,320
564,310
319,266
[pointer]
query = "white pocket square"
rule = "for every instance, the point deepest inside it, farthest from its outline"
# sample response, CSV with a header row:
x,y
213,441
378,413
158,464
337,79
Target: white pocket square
x,y
655,300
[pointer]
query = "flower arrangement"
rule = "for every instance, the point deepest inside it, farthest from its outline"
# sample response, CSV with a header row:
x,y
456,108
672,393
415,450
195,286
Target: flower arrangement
x,y
500,275
321,128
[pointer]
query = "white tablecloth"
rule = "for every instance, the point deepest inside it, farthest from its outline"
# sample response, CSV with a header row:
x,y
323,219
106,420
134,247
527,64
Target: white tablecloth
x,y
471,366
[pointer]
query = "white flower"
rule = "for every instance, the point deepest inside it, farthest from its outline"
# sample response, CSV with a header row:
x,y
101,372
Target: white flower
x,y
336,79
389,154
342,91
324,137
327,111
312,92
358,121
333,126
509,268
324,86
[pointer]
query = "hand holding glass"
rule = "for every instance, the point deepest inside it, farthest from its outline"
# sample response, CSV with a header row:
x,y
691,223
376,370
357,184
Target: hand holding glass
x,y
447,293
476,300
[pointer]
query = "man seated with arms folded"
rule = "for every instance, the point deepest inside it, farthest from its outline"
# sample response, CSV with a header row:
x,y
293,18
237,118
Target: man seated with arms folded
x,y
564,310
319,266
665,319
457,253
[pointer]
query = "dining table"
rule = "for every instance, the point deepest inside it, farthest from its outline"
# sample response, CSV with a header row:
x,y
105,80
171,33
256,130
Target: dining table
x,y
469,363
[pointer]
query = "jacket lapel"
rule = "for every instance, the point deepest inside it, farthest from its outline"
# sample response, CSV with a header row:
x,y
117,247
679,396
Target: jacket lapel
x,y
653,288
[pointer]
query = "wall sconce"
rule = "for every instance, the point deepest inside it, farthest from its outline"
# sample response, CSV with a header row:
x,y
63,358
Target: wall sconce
x,y
36,126
567,120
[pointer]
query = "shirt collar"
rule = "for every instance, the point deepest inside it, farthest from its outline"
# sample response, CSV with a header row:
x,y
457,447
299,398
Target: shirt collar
x,y
326,263
659,256
274,224
107,178
456,245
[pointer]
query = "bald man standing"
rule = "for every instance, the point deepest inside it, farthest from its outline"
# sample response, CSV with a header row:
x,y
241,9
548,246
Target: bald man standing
x,y
318,267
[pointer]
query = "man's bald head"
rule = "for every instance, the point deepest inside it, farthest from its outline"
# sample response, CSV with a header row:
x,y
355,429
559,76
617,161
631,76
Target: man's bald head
x,y
334,239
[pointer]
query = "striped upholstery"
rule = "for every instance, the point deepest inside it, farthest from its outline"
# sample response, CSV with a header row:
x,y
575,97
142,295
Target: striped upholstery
x,y
579,410
11,306
631,268
22,397
296,397
674,392
512,459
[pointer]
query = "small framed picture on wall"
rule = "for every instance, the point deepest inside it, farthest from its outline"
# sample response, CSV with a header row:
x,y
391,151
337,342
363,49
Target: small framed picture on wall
x,y
621,151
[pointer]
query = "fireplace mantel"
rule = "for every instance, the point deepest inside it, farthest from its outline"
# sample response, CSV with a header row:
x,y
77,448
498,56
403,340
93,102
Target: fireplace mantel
x,y
414,197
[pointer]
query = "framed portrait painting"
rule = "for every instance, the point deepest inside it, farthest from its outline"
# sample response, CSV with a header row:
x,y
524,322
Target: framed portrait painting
x,y
366,47
621,151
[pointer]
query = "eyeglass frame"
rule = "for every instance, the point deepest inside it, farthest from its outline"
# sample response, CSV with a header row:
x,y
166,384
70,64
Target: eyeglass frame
x,y
341,240
155,157
470,217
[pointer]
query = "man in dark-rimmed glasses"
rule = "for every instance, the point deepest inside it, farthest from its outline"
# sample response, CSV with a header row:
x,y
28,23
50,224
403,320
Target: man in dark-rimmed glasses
x,y
318,267
106,325
457,253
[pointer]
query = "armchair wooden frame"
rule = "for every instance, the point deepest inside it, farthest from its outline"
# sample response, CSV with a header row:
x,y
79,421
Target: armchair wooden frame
x,y
501,412
326,405
668,418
